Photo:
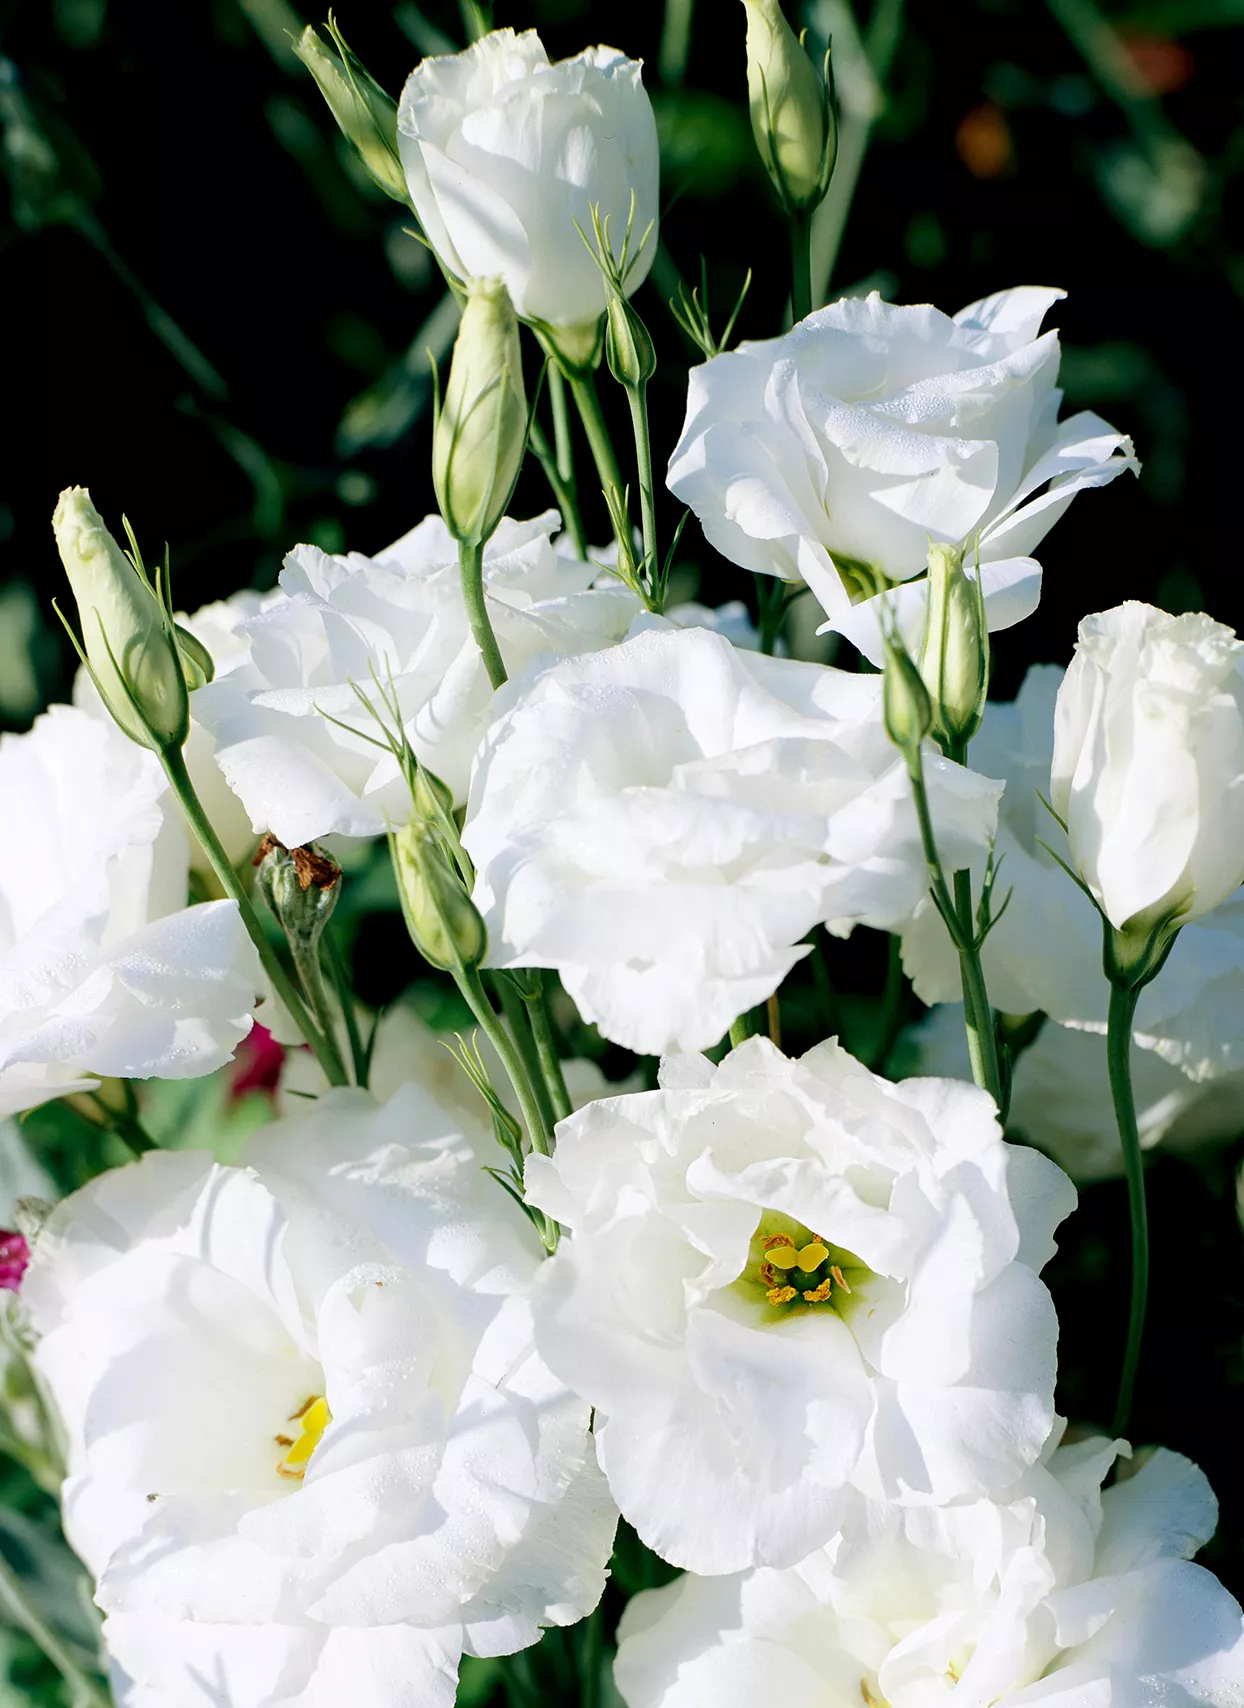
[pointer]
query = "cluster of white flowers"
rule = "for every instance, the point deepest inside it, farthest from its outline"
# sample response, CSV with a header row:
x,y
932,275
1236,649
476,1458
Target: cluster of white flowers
x,y
349,1409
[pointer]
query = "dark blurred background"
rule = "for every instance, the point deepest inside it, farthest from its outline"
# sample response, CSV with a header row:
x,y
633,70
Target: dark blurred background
x,y
212,319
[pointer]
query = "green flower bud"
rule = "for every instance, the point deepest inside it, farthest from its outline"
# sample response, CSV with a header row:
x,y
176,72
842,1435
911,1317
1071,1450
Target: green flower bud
x,y
365,115
301,886
481,424
908,711
793,118
197,662
628,345
444,923
127,635
954,659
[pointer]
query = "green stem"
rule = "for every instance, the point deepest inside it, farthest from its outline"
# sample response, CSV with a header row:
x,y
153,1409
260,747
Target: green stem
x,y
322,1048
893,1007
472,988
587,401
589,1672
800,266
637,397
345,997
471,563
1119,1056
561,425
675,40
740,1030
84,1691
516,1014
956,912
564,497
306,959
546,1048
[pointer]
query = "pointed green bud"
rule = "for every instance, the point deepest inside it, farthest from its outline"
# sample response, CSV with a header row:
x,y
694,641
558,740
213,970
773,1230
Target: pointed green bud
x,y
365,114
792,112
481,425
954,658
301,886
197,662
628,345
908,712
127,635
443,921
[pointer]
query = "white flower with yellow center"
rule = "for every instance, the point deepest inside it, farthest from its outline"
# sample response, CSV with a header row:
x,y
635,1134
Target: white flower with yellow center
x,y
312,1450
1055,1592
787,1279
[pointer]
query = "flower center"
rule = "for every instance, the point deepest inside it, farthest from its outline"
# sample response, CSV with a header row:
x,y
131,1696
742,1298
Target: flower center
x,y
313,1418
796,1267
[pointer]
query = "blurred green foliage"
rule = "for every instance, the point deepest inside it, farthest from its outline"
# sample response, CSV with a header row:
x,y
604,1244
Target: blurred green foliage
x,y
212,317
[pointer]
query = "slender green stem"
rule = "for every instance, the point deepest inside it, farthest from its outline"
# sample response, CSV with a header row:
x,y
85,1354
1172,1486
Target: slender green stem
x,y
546,1047
956,912
125,1124
84,1691
675,40
740,1030
770,610
306,959
471,563
589,1671
471,986
561,424
587,401
1119,1057
322,1047
800,266
637,397
557,460
893,1006
516,1014
345,998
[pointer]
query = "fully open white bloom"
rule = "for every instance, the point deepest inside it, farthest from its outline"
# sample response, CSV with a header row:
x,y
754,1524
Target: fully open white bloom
x,y
787,1279
835,453
664,821
1148,766
504,152
1053,1593
312,1451
103,969
347,622
1060,1094
1045,951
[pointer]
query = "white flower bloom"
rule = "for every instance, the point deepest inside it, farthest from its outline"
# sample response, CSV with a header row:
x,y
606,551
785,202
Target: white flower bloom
x,y
1148,766
787,1279
1045,951
103,969
1060,1094
664,821
399,615
312,1450
1054,1593
834,453
504,152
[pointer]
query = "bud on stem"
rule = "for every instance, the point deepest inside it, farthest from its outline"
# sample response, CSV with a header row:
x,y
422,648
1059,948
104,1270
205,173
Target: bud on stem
x,y
954,657
444,923
792,109
481,423
365,114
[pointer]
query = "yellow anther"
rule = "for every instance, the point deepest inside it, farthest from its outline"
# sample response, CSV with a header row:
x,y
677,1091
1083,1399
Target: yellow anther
x,y
780,1295
839,1277
812,1256
771,1241
315,1417
816,1295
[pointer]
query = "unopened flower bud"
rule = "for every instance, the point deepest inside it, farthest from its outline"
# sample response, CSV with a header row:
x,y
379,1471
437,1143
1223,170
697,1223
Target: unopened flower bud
x,y
792,114
301,886
365,115
127,636
481,425
628,345
908,712
197,662
954,659
443,921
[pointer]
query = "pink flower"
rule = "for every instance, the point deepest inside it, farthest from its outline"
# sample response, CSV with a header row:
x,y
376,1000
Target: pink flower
x,y
14,1256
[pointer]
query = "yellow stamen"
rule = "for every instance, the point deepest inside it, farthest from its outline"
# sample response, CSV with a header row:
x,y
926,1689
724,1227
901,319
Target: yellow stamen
x,y
315,1417
815,1295
812,1256
784,1257
772,1241
869,1699
780,1295
839,1277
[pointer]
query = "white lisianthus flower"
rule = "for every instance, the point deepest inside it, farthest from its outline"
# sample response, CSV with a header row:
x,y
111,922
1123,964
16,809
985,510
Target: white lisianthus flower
x,y
1060,1094
1055,1592
103,968
345,622
1044,952
1148,766
664,821
504,152
785,1280
835,453
312,1451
